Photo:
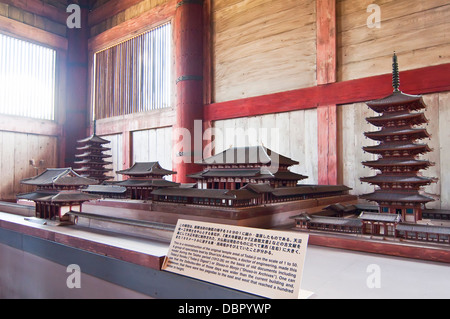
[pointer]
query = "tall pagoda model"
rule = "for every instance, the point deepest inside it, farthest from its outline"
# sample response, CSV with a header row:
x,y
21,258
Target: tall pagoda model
x,y
399,181
92,158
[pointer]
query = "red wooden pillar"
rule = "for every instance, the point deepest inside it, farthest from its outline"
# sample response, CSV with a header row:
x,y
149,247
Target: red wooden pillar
x,y
75,125
326,74
188,33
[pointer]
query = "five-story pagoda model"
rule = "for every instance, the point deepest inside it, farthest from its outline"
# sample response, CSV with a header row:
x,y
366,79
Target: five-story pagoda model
x,y
399,181
92,158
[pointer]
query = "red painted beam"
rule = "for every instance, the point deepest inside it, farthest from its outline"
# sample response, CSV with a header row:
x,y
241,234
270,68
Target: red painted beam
x,y
426,80
326,73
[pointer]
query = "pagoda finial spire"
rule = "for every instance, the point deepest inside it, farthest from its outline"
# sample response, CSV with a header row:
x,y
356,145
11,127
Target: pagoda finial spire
x,y
95,127
395,74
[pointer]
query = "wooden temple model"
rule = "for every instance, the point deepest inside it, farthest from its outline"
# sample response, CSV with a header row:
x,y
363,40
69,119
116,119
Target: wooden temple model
x,y
58,191
144,178
399,182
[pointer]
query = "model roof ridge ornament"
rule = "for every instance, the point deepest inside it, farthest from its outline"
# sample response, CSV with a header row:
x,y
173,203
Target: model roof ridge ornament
x,y
146,168
248,155
395,74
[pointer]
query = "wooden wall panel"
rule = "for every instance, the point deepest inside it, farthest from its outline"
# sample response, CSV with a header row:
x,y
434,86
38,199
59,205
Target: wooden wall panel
x,y
16,151
262,47
116,154
293,134
444,136
351,128
153,145
417,30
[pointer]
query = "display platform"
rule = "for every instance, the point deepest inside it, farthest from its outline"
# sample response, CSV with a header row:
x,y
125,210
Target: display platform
x,y
263,216
328,272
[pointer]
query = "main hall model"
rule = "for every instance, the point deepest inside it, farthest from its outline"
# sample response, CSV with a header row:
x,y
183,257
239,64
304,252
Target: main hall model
x,y
246,177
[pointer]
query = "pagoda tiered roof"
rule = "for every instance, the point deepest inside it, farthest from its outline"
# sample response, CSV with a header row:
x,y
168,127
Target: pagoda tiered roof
x,y
405,132
413,163
399,101
411,148
412,118
94,139
389,196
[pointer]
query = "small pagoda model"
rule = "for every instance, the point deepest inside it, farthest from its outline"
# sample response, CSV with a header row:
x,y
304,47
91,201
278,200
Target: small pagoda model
x,y
399,182
58,192
92,158
143,178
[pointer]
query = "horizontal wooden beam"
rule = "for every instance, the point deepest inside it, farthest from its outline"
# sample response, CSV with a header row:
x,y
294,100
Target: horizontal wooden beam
x,y
108,10
32,34
40,8
418,81
27,125
136,122
134,26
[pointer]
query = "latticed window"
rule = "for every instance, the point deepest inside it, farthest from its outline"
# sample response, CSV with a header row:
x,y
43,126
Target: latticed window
x,y
135,75
27,79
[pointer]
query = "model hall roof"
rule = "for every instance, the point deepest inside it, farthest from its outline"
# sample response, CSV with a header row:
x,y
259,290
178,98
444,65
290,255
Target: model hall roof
x,y
248,173
59,177
248,155
145,169
148,183
241,194
58,197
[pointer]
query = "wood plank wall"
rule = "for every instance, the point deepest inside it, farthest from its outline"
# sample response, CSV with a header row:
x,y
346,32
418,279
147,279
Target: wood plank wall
x,y
23,139
262,47
293,134
16,151
153,145
417,30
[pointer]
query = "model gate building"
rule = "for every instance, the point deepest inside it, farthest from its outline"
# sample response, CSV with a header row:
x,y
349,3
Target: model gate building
x,y
58,191
399,182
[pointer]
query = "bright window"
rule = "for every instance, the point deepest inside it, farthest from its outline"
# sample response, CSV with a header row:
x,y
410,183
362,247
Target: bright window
x,y
27,79
135,75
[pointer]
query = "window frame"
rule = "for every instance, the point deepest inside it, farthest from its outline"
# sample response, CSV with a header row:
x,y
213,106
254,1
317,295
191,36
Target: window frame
x,y
93,66
54,64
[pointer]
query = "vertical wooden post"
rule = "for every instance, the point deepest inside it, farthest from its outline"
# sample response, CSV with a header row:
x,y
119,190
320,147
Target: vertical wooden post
x,y
326,73
126,151
77,78
188,32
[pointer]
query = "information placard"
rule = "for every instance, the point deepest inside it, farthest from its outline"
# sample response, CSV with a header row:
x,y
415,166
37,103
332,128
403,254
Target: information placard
x,y
263,262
